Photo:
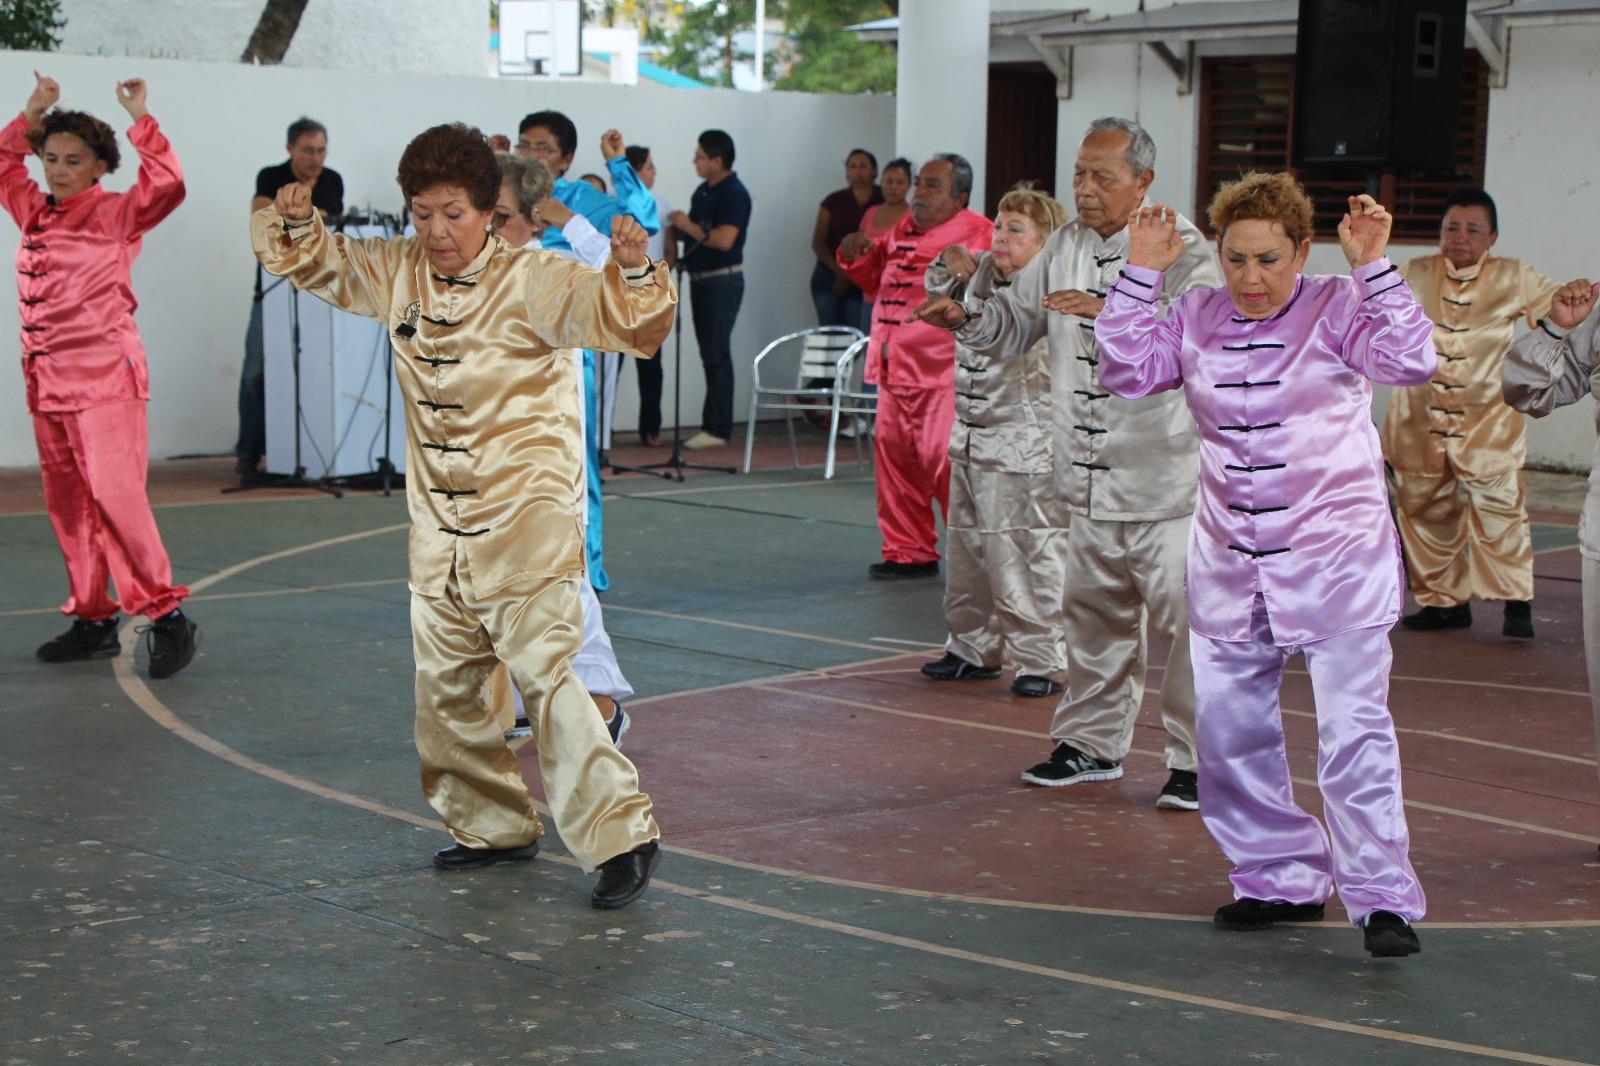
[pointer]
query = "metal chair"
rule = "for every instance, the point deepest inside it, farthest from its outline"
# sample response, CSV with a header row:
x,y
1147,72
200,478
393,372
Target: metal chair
x,y
828,371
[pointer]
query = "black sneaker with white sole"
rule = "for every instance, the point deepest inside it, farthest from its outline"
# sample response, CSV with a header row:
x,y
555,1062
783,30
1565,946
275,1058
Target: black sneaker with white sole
x,y
952,667
1068,766
618,726
519,728
1180,793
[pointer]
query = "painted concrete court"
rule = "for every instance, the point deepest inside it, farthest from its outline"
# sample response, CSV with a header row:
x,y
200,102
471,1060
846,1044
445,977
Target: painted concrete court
x,y
232,866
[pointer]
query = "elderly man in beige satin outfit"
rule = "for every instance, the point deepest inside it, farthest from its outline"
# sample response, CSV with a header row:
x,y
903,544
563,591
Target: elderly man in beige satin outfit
x,y
1127,469
1556,364
1456,449
495,488
1006,535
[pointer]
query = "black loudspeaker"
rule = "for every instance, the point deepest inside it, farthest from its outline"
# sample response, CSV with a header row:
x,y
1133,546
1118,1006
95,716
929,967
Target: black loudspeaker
x,y
1377,83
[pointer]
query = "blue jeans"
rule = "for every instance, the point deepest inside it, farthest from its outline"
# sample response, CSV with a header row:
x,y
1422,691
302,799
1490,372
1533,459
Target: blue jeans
x,y
252,443
851,309
716,306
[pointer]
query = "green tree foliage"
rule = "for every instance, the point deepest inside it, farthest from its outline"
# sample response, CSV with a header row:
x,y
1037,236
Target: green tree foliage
x,y
825,58
819,55
31,25
701,45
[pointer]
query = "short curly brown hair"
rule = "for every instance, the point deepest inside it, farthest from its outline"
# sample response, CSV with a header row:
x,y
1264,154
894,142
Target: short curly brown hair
x,y
101,138
1271,197
452,154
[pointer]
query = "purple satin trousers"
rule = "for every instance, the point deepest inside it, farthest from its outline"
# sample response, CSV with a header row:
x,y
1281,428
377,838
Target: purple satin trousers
x,y
1278,851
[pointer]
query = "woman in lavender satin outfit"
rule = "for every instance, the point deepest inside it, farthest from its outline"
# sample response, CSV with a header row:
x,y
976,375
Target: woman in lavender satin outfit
x,y
1292,547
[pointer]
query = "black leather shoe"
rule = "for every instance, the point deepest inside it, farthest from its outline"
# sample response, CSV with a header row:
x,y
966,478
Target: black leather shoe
x,y
172,644
1429,618
1033,688
85,640
953,667
1519,619
1246,915
624,878
1389,936
461,857
888,570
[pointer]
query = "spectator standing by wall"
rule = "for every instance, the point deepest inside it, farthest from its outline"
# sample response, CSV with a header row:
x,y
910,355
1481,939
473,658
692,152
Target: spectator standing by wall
x,y
837,299
714,232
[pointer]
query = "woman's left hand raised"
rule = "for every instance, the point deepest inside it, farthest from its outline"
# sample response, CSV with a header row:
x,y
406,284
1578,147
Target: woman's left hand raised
x,y
131,95
628,242
1364,231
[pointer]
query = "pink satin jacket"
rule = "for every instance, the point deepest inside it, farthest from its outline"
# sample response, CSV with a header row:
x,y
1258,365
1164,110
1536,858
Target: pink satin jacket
x,y
80,346
905,352
1292,501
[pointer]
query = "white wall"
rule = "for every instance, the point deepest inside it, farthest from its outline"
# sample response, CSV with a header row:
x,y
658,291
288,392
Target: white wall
x,y
419,36
1543,170
226,121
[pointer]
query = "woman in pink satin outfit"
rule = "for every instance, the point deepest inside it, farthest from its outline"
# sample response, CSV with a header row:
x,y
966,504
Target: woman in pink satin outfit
x,y
1292,548
83,362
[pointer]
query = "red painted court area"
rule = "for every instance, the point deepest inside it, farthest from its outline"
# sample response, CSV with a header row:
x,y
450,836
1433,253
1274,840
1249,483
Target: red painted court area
x,y
874,774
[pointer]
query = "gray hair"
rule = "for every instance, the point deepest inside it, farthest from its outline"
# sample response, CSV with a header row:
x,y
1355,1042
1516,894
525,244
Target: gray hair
x,y
1141,149
960,172
530,177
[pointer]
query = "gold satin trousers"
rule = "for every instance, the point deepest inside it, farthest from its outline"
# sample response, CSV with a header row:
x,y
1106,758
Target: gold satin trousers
x,y
469,773
1005,550
1465,538
1123,579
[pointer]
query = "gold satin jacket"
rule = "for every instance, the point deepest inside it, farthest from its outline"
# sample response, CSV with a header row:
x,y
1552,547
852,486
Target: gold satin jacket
x,y
1459,416
494,446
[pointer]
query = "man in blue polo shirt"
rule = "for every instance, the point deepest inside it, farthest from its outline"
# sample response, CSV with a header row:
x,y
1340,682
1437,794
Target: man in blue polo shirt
x,y
714,232
552,137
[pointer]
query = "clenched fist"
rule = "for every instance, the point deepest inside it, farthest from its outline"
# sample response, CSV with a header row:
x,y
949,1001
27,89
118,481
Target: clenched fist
x,y
628,242
1573,302
854,246
941,311
46,91
612,144
293,202
131,95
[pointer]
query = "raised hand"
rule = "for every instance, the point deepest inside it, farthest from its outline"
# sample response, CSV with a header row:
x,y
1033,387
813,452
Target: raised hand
x,y
131,95
1573,302
959,262
1364,231
1075,302
1153,241
941,311
499,142
629,242
854,246
46,91
552,212
612,144
293,202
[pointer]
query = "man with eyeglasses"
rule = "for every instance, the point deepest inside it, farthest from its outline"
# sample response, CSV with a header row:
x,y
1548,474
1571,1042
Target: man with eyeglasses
x,y
553,137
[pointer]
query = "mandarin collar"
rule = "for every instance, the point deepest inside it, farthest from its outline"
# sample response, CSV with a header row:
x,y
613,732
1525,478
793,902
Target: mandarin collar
x,y
474,268
1469,274
92,192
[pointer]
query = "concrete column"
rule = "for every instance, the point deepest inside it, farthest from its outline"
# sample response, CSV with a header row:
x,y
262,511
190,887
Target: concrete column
x,y
942,86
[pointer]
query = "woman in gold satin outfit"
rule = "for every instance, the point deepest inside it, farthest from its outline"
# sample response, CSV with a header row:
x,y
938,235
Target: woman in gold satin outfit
x,y
495,488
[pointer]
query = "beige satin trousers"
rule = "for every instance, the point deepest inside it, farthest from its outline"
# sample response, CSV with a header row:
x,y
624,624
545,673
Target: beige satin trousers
x,y
1123,579
1005,550
469,773
1465,538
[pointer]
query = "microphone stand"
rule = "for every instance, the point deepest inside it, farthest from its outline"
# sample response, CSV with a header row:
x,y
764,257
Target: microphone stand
x,y
675,464
298,479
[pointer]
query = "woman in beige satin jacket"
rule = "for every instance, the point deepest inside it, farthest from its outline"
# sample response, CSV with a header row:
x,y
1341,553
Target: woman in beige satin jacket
x,y
495,487
1007,529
